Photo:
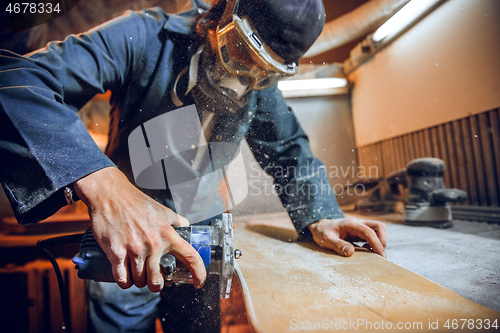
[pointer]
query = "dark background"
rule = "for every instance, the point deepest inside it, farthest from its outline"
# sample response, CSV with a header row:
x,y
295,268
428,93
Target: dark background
x,y
87,14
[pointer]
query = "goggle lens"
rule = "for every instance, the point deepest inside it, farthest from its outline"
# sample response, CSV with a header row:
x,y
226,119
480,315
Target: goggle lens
x,y
242,53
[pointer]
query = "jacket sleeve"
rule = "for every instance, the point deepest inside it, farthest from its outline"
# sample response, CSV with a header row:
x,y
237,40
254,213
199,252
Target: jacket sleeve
x,y
282,149
43,144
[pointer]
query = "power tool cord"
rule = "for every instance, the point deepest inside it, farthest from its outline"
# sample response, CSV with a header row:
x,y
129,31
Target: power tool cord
x,y
63,289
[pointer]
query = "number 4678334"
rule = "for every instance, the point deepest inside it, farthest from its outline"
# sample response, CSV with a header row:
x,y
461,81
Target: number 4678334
x,y
463,324
32,8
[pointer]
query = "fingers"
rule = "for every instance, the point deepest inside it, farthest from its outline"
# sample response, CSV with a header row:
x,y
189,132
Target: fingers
x,y
139,274
180,221
154,277
184,252
130,268
117,256
340,246
363,231
121,271
332,234
380,230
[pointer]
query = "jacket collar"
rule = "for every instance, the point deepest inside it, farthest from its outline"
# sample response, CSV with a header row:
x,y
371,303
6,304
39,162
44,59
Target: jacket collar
x,y
182,23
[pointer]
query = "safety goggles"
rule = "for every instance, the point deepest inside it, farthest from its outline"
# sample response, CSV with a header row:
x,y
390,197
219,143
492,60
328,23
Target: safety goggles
x,y
242,52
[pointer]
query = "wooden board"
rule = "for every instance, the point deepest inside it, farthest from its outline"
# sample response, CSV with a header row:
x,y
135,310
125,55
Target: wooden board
x,y
291,286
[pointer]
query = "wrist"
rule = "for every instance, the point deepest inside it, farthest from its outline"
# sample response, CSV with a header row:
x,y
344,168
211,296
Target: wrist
x,y
313,226
96,184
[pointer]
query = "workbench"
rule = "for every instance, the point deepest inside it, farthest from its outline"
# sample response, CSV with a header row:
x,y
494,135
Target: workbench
x,y
290,286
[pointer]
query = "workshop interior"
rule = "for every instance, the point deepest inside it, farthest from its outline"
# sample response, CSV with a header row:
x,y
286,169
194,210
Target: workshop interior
x,y
401,102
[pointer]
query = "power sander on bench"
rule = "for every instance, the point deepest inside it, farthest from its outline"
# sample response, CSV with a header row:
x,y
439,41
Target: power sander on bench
x,y
422,189
428,198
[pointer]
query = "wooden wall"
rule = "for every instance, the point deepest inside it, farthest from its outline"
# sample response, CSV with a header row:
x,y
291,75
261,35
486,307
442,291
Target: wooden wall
x,y
470,147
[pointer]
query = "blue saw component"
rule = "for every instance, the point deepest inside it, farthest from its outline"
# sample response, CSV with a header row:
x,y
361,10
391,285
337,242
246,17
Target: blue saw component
x,y
201,240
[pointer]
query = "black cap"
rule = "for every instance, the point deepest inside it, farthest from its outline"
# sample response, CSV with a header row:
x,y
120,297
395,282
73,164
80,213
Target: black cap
x,y
288,27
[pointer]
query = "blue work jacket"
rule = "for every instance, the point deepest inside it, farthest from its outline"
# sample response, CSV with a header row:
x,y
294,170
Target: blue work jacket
x,y
44,146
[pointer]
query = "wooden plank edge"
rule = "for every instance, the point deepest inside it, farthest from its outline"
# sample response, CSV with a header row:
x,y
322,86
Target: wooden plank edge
x,y
251,316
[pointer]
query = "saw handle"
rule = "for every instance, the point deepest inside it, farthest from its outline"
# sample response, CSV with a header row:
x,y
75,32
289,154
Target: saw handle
x,y
93,264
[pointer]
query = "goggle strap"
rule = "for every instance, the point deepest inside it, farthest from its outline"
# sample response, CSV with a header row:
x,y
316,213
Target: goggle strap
x,y
193,78
193,69
227,16
173,93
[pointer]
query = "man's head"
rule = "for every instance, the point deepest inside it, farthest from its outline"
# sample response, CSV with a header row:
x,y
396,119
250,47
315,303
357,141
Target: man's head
x,y
255,43
288,27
